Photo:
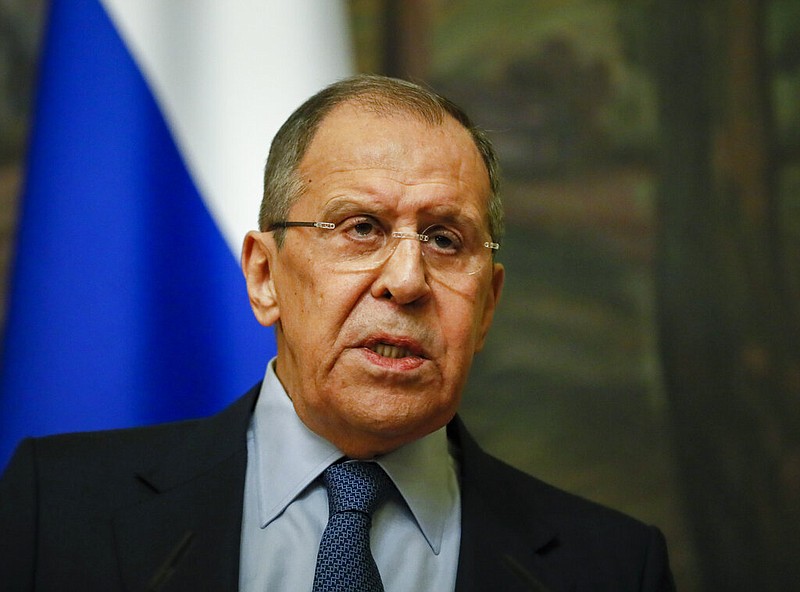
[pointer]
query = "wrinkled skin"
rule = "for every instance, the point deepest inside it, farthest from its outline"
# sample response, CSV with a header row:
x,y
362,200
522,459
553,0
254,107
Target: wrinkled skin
x,y
375,359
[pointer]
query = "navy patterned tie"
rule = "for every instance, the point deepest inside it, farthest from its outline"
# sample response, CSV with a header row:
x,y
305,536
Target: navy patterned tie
x,y
344,561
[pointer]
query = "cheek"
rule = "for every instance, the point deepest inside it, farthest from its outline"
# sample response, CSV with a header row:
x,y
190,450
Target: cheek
x,y
460,324
302,287
317,307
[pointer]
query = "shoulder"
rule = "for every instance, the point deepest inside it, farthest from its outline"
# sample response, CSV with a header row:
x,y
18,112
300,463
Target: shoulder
x,y
508,487
70,503
87,473
105,451
80,463
561,537
568,512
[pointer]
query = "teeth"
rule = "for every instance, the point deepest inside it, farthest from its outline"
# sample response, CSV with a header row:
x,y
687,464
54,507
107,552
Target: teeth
x,y
390,351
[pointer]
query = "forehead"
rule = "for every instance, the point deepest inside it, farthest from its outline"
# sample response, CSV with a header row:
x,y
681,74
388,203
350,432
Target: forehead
x,y
398,159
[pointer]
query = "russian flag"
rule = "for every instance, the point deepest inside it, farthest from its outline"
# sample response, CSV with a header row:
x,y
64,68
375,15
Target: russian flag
x,y
152,123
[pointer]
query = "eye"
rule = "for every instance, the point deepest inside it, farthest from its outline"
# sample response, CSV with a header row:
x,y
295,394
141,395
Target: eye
x,y
361,228
443,240
364,228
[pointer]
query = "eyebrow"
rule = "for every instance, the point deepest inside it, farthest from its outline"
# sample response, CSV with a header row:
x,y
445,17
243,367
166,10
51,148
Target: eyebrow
x,y
452,215
348,205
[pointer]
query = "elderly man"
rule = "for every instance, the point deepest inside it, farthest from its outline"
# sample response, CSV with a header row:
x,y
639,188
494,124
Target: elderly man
x,y
347,467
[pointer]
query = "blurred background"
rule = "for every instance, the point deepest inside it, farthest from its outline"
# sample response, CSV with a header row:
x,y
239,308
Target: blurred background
x,y
647,350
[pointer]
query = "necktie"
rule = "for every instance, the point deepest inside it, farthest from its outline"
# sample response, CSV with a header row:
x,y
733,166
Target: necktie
x,y
344,561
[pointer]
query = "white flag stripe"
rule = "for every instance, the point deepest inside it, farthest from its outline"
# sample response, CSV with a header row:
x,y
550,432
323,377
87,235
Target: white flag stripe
x,y
226,75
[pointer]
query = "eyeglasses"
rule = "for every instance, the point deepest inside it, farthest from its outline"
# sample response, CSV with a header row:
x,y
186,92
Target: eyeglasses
x,y
364,243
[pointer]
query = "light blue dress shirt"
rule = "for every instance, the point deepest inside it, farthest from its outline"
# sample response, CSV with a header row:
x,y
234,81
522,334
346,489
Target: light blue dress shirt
x,y
415,536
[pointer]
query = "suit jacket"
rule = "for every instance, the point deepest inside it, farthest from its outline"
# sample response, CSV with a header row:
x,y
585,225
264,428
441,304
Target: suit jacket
x,y
161,508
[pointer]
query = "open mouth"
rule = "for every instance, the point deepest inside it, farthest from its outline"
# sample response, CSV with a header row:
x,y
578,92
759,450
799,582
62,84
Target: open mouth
x,y
388,350
395,353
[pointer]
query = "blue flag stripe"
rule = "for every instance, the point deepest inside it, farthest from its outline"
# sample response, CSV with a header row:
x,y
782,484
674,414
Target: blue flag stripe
x,y
126,306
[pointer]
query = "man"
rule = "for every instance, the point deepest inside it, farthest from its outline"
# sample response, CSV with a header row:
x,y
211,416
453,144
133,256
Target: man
x,y
375,264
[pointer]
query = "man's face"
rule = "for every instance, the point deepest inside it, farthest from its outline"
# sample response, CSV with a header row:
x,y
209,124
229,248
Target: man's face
x,y
375,359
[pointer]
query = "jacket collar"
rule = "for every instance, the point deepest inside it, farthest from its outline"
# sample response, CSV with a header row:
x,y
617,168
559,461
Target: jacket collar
x,y
503,543
187,531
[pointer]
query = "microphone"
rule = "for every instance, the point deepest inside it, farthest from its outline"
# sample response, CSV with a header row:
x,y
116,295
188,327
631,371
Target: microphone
x,y
527,577
165,571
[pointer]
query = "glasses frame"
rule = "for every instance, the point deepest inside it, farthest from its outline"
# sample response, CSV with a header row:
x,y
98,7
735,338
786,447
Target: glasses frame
x,y
422,237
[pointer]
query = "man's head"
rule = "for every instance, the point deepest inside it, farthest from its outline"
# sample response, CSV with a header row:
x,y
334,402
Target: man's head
x,y
382,95
376,333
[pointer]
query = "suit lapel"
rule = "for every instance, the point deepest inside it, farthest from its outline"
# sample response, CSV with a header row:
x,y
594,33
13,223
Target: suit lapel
x,y
500,540
186,534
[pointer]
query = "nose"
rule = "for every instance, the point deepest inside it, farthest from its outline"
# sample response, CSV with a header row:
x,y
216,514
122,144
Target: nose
x,y
402,277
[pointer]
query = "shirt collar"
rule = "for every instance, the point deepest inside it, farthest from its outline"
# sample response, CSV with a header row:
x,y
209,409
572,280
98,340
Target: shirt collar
x,y
425,474
423,471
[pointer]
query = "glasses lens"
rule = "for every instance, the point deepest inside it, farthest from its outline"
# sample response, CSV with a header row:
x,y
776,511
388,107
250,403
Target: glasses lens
x,y
362,244
454,252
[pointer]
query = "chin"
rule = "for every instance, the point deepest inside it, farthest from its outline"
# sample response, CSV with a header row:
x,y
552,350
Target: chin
x,y
367,445
404,424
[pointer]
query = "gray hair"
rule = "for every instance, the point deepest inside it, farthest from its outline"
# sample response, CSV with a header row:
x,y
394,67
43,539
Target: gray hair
x,y
378,94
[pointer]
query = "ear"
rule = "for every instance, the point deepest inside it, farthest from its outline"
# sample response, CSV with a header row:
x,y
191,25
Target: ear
x,y
258,251
498,277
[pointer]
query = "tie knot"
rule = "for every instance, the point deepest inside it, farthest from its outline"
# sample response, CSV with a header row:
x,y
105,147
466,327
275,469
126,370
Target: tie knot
x,y
356,485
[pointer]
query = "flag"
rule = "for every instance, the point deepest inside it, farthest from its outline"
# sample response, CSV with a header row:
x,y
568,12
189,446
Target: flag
x,y
151,126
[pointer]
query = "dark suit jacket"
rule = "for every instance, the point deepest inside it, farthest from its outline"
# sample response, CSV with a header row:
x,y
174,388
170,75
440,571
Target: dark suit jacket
x,y
110,510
